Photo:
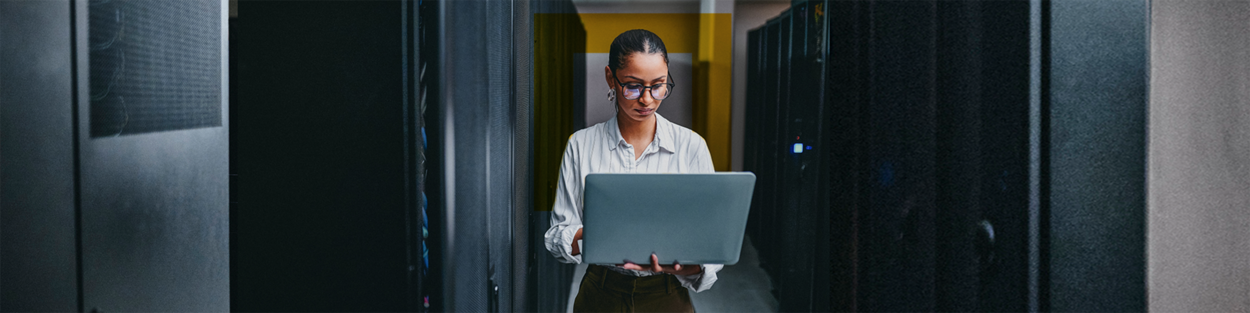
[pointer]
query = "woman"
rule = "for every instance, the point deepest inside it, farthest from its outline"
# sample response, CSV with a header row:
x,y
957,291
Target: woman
x,y
635,140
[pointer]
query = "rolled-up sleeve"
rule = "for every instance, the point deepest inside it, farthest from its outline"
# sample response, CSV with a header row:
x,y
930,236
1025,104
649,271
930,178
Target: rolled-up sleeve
x,y
566,213
701,281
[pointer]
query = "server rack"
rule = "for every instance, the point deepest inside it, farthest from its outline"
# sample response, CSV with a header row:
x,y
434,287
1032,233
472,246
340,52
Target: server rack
x,y
809,174
928,184
768,170
751,144
327,210
385,159
785,130
113,142
779,154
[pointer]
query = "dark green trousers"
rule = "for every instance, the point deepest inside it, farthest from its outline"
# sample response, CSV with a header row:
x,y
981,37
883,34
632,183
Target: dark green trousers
x,y
603,290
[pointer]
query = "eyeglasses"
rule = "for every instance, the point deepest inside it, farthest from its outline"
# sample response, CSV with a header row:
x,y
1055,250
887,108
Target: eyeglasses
x,y
633,91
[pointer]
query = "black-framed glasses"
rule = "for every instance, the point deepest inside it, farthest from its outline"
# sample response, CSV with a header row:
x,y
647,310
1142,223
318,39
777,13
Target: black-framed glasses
x,y
633,91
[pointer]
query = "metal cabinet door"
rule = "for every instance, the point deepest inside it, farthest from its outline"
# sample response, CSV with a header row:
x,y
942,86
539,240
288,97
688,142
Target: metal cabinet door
x,y
38,270
154,194
983,156
930,109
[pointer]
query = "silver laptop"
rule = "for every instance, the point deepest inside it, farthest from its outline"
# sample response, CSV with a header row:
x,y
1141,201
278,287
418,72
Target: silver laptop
x,y
688,218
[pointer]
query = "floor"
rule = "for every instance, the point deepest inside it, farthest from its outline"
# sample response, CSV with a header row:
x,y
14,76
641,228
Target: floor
x,y
742,287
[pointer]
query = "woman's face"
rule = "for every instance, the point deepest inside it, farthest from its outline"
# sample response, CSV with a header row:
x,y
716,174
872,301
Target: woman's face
x,y
642,68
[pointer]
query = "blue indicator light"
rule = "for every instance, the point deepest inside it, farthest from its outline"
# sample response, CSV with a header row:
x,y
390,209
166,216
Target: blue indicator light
x,y
798,148
809,147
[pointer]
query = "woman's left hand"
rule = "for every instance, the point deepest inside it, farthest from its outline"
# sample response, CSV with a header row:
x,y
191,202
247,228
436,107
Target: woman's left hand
x,y
654,266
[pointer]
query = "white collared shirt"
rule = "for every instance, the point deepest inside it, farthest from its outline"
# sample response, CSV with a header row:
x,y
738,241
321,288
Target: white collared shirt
x,y
601,149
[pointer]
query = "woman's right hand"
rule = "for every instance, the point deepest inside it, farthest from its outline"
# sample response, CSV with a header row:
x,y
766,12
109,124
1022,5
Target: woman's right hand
x,y
654,266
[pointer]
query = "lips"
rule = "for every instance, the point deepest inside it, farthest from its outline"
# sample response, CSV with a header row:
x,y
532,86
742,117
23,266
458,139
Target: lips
x,y
644,111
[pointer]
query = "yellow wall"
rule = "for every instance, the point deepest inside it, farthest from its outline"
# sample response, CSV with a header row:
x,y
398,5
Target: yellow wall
x,y
708,36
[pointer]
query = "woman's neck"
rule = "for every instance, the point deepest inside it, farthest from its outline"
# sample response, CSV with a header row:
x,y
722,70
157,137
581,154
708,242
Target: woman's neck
x,y
636,133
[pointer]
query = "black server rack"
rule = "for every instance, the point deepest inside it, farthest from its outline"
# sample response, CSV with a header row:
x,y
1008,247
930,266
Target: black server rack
x,y
931,127
791,207
809,175
479,128
784,125
786,75
114,142
780,157
383,157
752,144
767,98
768,173
327,210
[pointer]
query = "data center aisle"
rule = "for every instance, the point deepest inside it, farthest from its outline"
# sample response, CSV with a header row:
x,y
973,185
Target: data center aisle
x,y
742,287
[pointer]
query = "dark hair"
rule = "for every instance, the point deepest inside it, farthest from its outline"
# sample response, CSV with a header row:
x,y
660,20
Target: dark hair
x,y
633,41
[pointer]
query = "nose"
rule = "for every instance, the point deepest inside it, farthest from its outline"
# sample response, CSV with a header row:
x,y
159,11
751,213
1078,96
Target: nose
x,y
646,99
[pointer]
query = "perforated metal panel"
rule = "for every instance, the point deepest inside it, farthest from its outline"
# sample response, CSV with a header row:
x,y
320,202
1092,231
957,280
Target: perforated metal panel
x,y
154,65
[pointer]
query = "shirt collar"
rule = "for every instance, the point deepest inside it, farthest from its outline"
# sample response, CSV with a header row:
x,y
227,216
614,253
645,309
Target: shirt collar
x,y
663,133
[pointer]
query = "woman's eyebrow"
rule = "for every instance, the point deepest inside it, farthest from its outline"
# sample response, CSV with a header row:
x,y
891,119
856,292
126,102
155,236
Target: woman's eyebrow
x,y
654,80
